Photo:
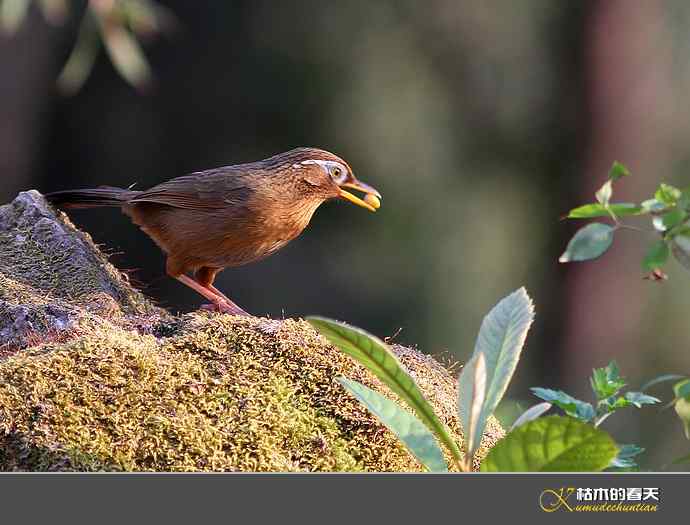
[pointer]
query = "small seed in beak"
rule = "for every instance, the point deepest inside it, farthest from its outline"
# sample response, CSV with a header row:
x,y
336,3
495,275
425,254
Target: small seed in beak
x,y
372,200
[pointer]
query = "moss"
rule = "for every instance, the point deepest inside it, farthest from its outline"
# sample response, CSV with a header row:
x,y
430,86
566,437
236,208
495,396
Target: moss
x,y
97,380
226,395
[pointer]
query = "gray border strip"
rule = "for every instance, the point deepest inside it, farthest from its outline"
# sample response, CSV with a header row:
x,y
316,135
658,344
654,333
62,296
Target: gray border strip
x,y
320,498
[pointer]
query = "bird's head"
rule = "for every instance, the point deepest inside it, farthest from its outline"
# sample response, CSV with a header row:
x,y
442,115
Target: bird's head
x,y
323,175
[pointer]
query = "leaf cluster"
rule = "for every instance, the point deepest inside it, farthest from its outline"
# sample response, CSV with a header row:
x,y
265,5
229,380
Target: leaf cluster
x,y
119,25
606,384
669,210
553,443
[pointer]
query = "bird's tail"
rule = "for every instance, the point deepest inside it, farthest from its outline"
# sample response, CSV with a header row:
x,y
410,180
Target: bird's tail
x,y
90,198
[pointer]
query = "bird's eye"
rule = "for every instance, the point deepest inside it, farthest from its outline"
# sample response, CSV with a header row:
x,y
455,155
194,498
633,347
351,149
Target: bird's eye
x,y
338,174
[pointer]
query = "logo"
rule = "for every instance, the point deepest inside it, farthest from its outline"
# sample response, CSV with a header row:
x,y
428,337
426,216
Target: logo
x,y
588,499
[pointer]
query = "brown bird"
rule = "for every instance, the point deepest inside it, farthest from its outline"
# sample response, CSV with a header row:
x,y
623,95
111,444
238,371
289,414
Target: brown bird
x,y
230,216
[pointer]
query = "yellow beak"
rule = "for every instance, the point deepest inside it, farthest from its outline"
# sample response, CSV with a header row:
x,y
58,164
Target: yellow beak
x,y
371,201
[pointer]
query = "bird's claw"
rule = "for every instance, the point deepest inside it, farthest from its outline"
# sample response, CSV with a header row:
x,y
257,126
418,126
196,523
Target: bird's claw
x,y
225,308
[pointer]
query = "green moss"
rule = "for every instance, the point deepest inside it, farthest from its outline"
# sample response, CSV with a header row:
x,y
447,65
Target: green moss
x,y
230,394
93,377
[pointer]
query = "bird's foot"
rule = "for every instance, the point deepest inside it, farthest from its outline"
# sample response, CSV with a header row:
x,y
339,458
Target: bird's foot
x,y
225,308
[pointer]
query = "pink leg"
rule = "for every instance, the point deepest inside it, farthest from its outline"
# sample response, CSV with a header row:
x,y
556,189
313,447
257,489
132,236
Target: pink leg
x,y
220,302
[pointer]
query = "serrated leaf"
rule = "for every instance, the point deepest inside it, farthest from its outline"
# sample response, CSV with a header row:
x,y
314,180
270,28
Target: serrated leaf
x,y
571,406
603,194
614,403
410,430
531,414
607,381
618,171
590,211
375,355
624,458
500,340
552,444
474,398
588,243
656,256
638,399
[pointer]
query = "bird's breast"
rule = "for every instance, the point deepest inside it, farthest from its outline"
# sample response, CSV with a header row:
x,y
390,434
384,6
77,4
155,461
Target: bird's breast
x,y
261,232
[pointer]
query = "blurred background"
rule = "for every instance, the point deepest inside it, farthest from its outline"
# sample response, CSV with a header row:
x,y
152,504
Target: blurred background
x,y
480,122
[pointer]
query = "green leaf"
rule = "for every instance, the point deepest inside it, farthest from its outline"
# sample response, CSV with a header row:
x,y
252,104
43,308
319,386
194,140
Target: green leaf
x,y
661,379
148,18
126,55
611,404
667,194
606,382
472,394
82,58
619,402
618,171
531,414
588,243
571,406
500,340
624,458
680,247
604,193
656,256
638,399
410,430
682,389
552,444
374,354
590,211
682,408
673,218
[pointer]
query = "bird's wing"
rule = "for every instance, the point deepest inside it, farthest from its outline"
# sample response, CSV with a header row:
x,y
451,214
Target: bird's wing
x,y
205,190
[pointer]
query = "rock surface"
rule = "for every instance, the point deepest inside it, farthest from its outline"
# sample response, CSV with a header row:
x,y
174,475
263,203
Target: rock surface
x,y
93,376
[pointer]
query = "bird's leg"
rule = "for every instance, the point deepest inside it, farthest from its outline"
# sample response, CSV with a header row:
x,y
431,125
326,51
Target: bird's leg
x,y
205,276
219,303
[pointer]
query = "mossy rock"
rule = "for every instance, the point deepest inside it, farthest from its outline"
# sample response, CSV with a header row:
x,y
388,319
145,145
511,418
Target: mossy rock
x,y
94,377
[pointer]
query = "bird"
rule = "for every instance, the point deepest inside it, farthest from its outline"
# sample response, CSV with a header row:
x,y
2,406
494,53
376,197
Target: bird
x,y
208,221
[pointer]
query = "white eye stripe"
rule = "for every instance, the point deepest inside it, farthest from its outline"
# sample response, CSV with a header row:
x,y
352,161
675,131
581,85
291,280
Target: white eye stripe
x,y
331,167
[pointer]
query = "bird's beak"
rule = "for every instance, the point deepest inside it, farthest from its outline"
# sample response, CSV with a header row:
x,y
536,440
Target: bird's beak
x,y
372,194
